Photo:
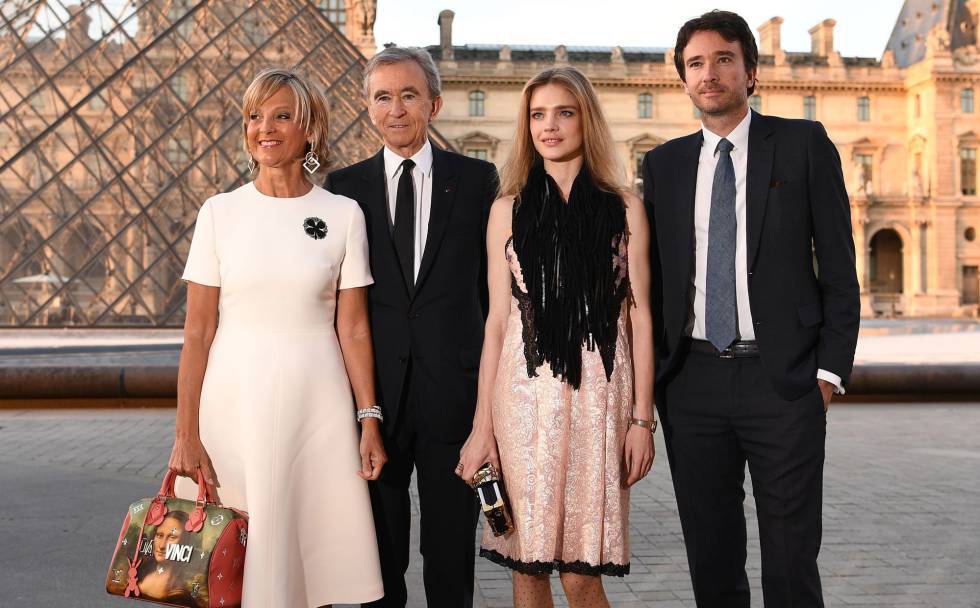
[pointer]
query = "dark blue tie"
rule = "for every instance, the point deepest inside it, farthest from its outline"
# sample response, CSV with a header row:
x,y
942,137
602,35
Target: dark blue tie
x,y
721,309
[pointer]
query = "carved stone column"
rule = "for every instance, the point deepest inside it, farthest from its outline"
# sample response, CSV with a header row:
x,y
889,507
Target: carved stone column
x,y
360,25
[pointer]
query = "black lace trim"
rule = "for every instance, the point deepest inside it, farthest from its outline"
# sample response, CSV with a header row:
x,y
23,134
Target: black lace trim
x,y
531,356
536,567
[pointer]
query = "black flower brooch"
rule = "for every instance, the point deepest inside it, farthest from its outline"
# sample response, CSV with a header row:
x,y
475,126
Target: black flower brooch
x,y
315,228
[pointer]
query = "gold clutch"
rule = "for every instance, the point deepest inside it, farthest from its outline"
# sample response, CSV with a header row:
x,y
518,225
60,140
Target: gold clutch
x,y
486,482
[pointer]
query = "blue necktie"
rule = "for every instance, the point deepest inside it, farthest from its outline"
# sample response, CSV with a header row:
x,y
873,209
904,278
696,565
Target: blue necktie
x,y
721,312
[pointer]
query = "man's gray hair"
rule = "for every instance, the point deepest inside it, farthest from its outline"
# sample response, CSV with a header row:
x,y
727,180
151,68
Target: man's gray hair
x,y
396,54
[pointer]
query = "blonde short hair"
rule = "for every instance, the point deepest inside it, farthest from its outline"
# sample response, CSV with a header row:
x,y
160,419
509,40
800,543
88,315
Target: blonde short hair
x,y
311,108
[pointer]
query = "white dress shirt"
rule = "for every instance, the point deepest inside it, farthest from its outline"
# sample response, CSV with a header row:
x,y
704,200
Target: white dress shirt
x,y
422,178
708,160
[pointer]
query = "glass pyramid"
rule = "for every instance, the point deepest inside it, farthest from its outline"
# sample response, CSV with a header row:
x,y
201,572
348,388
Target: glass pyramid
x,y
117,120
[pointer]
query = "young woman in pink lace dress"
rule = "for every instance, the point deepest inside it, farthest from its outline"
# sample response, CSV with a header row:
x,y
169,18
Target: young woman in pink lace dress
x,y
566,376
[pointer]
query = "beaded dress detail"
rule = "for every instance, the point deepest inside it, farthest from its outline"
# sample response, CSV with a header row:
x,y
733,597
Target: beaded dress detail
x,y
561,449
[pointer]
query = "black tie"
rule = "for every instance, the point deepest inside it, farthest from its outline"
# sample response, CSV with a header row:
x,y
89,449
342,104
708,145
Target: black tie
x,y
404,232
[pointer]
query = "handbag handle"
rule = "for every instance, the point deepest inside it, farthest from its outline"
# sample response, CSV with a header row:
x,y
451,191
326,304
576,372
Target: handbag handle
x,y
203,490
158,506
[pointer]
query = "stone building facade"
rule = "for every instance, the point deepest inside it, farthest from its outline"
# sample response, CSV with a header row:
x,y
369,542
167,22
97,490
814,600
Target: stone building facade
x,y
907,126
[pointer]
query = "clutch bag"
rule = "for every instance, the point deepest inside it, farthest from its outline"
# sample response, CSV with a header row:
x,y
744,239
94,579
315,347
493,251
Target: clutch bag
x,y
493,503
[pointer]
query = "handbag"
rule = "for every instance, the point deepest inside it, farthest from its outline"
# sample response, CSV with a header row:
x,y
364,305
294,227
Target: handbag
x,y
179,552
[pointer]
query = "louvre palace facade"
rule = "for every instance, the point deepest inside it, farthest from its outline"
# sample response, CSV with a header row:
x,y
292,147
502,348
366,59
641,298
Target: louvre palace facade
x,y
907,126
120,118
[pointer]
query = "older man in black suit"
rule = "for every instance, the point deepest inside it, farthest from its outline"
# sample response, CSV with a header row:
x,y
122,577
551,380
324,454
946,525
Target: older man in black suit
x,y
752,335
426,211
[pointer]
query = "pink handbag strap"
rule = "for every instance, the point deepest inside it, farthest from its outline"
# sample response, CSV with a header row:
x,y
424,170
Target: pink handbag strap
x,y
203,491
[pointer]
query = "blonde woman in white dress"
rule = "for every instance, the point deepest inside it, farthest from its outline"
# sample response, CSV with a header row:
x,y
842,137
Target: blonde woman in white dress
x,y
276,338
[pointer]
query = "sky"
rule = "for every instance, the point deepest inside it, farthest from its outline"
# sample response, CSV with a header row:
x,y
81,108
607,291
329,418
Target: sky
x,y
863,26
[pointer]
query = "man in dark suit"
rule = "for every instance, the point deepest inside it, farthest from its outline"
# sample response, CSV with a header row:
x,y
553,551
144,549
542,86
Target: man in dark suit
x,y
426,211
756,307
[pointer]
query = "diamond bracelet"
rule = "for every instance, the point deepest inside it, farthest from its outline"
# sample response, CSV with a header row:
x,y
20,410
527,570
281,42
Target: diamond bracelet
x,y
370,412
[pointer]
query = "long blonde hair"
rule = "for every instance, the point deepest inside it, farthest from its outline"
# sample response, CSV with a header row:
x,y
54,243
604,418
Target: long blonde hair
x,y
311,108
599,154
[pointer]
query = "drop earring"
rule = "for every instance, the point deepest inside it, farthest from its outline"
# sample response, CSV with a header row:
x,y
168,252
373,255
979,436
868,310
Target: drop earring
x,y
312,162
251,164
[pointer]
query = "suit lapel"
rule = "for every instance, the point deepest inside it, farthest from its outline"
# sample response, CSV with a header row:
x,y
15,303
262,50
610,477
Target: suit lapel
x,y
444,183
757,178
376,204
687,171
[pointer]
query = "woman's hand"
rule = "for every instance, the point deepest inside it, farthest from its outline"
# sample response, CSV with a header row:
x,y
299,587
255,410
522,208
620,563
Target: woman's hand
x,y
479,449
638,453
189,455
373,455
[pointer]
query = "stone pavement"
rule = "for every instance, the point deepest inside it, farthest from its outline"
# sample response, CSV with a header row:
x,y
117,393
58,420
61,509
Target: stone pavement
x,y
881,341
901,517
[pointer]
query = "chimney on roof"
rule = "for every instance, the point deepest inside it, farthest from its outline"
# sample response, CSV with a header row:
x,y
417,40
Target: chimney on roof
x,y
822,38
446,34
769,36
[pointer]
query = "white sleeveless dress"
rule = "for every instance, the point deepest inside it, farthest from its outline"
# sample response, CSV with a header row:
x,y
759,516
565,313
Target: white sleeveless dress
x,y
277,416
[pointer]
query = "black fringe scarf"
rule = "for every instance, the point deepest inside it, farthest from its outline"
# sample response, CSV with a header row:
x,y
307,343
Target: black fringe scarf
x,y
566,251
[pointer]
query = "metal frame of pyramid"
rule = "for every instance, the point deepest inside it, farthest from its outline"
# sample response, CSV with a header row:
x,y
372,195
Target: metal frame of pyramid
x,y
118,119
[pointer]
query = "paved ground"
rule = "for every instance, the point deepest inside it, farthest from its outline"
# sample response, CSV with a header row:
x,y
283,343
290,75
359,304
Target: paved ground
x,y
881,341
902,515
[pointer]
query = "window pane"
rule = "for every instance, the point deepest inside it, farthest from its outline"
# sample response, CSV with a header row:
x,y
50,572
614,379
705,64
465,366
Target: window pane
x,y
968,171
755,102
864,109
480,153
810,107
966,101
697,113
336,12
476,103
644,105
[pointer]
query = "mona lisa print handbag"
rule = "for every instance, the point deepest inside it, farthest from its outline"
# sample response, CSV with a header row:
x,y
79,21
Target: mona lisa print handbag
x,y
180,552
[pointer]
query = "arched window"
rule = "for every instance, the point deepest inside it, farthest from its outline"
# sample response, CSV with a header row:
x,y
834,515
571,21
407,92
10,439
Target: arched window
x,y
476,102
966,101
885,262
644,105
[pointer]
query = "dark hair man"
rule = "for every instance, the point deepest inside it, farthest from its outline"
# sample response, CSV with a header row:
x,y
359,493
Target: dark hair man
x,y
751,340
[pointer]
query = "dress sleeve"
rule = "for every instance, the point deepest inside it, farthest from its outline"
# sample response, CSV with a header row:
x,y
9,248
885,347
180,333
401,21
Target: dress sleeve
x,y
355,270
203,266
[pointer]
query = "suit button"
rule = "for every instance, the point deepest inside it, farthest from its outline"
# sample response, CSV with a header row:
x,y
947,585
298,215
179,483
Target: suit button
x,y
402,359
758,323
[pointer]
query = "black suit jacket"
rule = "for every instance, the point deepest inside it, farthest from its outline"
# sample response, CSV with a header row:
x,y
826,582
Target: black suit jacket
x,y
440,327
806,310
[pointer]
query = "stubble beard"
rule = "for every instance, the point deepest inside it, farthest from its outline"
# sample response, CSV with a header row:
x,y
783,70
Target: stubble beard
x,y
729,104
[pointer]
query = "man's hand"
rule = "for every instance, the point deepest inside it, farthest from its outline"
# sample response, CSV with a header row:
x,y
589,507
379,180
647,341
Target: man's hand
x,y
827,390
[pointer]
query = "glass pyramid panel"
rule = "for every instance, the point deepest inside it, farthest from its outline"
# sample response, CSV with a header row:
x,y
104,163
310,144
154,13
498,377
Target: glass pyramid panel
x,y
118,118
